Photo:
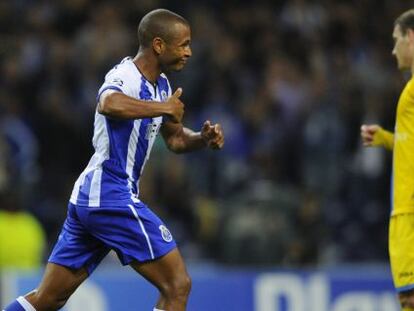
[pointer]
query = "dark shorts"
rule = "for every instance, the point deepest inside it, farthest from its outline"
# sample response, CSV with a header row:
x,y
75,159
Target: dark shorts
x,y
133,231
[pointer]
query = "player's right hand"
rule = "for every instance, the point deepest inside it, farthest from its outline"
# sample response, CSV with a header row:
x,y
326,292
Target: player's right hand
x,y
175,107
367,134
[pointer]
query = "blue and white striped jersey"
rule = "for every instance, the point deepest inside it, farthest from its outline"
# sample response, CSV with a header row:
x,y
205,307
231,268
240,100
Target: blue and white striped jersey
x,y
122,147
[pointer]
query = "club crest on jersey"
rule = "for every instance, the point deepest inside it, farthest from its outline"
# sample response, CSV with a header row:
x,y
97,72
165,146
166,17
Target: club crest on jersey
x,y
165,233
163,95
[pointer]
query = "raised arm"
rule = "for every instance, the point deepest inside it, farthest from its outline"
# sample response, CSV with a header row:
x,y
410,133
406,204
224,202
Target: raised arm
x,y
180,139
117,105
374,135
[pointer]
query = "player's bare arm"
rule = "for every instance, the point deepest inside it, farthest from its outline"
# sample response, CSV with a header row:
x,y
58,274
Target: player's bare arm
x,y
120,106
180,139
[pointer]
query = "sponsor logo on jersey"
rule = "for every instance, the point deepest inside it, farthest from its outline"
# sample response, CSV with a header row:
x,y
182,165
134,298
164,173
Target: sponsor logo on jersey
x,y
406,274
152,130
117,81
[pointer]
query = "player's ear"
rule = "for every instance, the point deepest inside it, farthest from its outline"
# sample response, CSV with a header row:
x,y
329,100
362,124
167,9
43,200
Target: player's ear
x,y
410,34
158,45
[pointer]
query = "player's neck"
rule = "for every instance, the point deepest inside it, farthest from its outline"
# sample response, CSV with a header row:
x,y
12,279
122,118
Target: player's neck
x,y
148,66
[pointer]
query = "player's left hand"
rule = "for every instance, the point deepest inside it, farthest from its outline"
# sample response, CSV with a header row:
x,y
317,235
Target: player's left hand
x,y
212,135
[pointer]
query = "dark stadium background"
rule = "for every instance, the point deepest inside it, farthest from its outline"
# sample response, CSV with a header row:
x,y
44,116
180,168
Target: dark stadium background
x,y
290,81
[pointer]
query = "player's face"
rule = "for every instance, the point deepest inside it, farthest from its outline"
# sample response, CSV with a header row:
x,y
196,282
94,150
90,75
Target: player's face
x,y
403,47
178,50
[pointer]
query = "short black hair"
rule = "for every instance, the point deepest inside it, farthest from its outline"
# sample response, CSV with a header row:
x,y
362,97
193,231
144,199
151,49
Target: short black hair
x,y
405,21
158,23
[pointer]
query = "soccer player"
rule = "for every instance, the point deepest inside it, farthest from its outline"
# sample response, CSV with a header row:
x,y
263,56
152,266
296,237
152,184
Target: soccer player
x,y
105,211
401,230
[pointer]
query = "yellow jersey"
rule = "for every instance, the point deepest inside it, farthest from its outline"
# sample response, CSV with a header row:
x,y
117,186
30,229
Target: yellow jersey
x,y
402,143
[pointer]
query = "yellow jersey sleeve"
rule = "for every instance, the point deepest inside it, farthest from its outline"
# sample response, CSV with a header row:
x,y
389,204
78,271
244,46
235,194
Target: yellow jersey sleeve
x,y
384,139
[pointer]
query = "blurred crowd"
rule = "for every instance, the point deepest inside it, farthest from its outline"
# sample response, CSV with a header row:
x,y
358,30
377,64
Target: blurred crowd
x,y
290,82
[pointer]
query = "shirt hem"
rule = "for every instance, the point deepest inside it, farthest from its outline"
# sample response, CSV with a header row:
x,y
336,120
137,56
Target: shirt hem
x,y
118,202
